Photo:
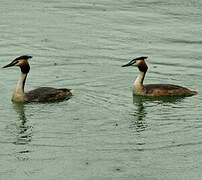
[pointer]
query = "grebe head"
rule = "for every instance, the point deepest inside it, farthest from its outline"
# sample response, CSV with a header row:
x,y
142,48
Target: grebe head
x,y
22,62
138,62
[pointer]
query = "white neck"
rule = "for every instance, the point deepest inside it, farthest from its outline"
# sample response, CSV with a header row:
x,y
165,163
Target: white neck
x,y
138,83
18,95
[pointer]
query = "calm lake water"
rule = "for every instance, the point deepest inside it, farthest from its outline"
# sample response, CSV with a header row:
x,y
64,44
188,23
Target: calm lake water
x,y
101,134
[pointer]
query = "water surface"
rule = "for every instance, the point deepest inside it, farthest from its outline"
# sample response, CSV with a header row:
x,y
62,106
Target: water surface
x,y
101,133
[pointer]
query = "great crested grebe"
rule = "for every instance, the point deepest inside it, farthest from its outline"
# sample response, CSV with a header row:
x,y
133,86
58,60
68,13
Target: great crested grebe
x,y
155,90
41,94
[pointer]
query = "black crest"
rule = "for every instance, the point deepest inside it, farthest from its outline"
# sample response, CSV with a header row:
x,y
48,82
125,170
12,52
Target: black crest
x,y
23,57
141,58
23,66
134,61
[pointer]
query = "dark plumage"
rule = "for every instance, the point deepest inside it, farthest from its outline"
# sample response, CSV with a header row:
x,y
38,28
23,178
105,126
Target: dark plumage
x,y
154,89
48,94
42,94
167,90
23,57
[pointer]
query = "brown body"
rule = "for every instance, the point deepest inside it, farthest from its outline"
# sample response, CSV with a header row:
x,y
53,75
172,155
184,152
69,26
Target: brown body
x,y
154,90
42,94
47,94
167,90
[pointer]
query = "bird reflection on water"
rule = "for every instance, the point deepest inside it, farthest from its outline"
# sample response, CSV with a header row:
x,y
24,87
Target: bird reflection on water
x,y
23,130
139,122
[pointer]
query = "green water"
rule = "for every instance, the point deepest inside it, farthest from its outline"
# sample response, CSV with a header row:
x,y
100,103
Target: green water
x,y
101,133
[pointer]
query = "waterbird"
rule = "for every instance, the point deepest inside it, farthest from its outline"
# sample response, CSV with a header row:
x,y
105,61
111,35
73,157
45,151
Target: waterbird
x,y
41,94
154,90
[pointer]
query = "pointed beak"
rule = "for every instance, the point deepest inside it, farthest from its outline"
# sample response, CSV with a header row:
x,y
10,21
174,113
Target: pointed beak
x,y
129,64
10,64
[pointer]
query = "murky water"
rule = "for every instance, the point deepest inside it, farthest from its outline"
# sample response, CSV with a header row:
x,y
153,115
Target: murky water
x,y
100,133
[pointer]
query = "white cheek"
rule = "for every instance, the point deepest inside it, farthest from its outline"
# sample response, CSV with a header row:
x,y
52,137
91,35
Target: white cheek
x,y
138,63
18,64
